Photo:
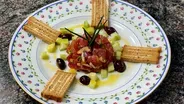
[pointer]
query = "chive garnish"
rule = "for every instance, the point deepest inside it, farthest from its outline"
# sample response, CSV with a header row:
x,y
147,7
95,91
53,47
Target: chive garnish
x,y
92,38
75,33
87,33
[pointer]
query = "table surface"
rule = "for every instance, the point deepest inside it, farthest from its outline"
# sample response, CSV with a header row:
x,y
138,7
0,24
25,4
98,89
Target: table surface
x,y
169,14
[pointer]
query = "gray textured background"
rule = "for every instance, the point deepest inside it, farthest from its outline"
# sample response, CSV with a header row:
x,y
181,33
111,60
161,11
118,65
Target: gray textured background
x,y
169,13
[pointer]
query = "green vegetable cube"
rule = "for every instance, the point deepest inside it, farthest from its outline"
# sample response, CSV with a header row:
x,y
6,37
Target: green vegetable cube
x,y
118,55
92,84
90,30
103,33
44,56
51,48
86,24
64,31
115,36
110,67
74,37
63,47
63,56
58,40
104,73
62,41
111,41
93,76
116,46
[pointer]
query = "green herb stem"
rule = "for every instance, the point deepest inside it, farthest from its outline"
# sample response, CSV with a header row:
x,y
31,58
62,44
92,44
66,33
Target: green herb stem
x,y
97,30
92,38
75,33
87,33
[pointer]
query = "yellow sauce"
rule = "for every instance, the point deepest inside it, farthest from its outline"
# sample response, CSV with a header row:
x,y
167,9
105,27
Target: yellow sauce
x,y
125,41
76,26
111,79
54,55
50,66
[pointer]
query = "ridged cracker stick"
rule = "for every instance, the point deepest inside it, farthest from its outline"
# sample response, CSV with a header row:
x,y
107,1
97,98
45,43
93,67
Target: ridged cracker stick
x,y
141,54
100,8
57,86
41,30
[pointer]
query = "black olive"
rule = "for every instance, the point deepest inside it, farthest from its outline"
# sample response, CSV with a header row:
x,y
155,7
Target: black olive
x,y
109,30
60,63
85,80
119,65
66,36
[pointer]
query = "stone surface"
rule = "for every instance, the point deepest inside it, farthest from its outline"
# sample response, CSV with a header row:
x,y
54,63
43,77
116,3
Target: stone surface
x,y
169,13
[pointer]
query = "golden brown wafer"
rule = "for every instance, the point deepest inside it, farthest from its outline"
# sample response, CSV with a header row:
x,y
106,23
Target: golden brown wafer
x,y
141,54
41,30
140,59
142,48
43,25
100,8
39,33
58,85
138,52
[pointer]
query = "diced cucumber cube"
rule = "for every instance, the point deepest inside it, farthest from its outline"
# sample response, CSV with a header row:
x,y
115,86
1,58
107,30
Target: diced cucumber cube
x,y
63,56
64,31
111,41
118,55
44,56
72,71
116,47
58,40
115,36
63,47
74,37
93,76
51,48
92,84
103,33
104,73
86,24
62,41
90,30
110,67
65,41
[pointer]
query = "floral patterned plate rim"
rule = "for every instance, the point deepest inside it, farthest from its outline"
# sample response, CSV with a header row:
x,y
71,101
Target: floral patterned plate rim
x,y
131,87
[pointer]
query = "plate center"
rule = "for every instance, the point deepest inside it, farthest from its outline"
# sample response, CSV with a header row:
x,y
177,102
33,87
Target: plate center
x,y
113,82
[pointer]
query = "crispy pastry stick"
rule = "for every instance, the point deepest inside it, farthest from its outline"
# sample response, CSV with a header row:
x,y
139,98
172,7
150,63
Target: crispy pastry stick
x,y
100,8
141,54
57,86
41,30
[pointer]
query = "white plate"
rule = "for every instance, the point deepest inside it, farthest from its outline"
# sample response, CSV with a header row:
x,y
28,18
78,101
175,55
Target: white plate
x,y
136,28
